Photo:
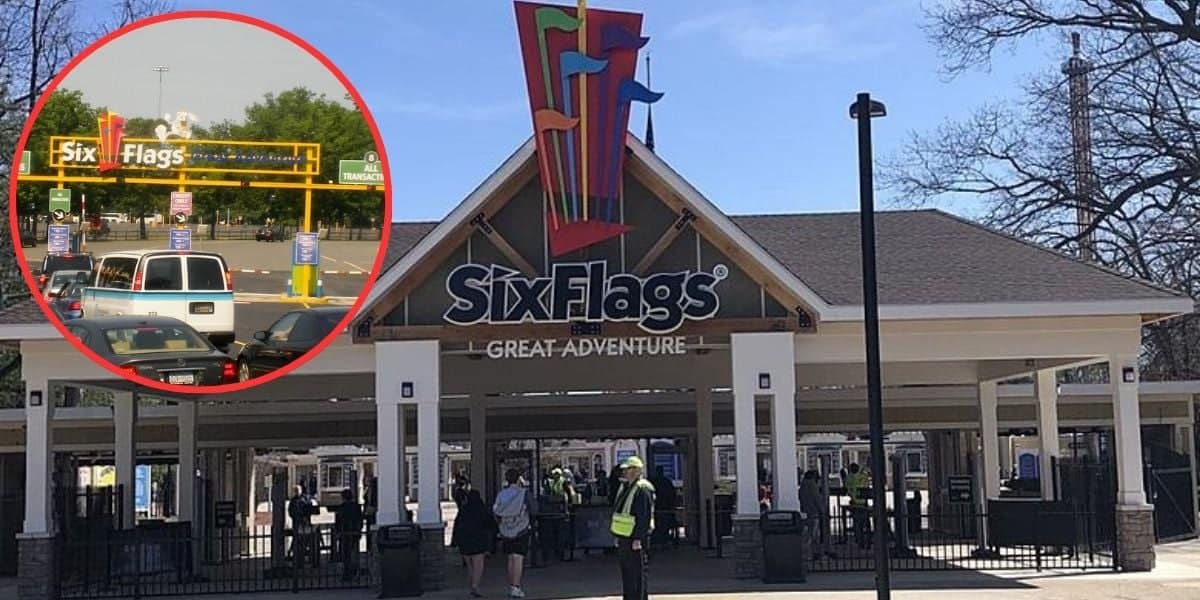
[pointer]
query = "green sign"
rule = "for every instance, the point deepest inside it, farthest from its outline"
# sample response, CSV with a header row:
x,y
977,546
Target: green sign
x,y
26,163
60,199
368,171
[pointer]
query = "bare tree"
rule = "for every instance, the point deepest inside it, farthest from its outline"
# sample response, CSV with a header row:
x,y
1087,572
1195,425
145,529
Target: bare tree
x,y
1016,156
37,39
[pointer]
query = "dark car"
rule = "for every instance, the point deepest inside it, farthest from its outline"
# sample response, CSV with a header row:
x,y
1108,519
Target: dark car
x,y
67,301
28,238
269,234
160,348
62,262
295,333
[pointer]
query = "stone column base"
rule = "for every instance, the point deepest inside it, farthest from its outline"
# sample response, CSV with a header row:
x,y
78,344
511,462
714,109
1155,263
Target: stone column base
x,y
1135,538
747,547
433,556
37,566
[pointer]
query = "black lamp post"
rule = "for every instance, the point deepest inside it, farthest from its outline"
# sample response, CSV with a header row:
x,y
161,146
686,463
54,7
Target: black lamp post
x,y
863,110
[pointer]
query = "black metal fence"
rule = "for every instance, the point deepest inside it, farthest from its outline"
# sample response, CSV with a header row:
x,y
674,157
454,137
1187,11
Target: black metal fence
x,y
954,539
166,559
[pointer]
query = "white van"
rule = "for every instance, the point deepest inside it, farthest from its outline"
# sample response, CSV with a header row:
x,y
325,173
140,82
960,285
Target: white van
x,y
194,287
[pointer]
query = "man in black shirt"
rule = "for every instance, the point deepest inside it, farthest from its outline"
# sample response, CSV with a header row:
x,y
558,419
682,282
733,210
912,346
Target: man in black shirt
x,y
632,523
348,524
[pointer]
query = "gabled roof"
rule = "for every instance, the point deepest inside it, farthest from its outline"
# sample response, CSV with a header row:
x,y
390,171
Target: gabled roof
x,y
25,312
931,264
523,157
931,257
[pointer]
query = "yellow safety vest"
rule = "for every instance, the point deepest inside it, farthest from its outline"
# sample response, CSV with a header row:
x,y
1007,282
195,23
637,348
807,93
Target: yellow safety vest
x,y
855,482
623,521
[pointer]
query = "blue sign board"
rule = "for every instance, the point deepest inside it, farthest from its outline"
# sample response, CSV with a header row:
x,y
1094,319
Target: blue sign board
x,y
181,239
306,249
669,461
1027,465
624,454
58,239
141,488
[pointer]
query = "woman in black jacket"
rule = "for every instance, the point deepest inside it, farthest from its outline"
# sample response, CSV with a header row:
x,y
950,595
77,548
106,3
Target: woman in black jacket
x,y
474,532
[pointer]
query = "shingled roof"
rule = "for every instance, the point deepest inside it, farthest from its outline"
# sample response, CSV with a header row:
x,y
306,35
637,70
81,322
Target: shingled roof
x,y
25,312
924,257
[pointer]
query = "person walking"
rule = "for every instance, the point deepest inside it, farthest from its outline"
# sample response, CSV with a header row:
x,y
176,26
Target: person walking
x,y
632,523
473,535
300,509
814,507
348,525
514,510
857,482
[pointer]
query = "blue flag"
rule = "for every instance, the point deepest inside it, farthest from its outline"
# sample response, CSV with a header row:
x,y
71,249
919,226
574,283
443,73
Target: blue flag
x,y
615,37
632,90
572,63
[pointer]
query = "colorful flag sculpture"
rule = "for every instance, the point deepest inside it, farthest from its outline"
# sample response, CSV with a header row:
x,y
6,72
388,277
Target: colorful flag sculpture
x,y
112,131
580,77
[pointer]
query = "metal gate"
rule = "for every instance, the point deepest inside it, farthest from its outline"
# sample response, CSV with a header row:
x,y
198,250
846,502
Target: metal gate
x,y
1170,488
100,558
948,540
1077,530
166,560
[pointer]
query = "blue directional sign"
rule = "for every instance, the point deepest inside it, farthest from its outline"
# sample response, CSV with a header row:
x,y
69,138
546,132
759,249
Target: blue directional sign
x,y
306,250
181,239
58,239
141,488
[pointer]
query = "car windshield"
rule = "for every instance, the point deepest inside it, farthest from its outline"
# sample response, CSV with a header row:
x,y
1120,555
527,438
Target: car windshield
x,y
330,319
77,262
61,278
148,339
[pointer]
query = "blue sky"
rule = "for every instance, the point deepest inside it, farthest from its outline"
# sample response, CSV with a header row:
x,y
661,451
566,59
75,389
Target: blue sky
x,y
755,112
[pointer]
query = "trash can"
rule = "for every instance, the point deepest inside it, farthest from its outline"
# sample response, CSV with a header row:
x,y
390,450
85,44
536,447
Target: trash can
x,y
782,538
399,560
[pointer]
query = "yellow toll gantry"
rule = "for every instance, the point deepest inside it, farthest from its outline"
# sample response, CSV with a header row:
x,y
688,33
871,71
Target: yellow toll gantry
x,y
144,161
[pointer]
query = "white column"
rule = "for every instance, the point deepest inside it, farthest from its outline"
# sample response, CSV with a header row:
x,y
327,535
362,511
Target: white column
x,y
989,440
429,441
704,457
185,415
783,430
745,448
764,364
409,372
125,451
39,456
389,439
1046,390
479,466
1127,429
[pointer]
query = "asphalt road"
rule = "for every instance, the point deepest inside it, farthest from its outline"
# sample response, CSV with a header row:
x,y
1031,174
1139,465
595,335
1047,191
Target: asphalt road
x,y
275,282
274,257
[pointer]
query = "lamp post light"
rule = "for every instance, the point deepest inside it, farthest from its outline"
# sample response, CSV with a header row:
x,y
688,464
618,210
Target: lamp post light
x,y
863,110
160,69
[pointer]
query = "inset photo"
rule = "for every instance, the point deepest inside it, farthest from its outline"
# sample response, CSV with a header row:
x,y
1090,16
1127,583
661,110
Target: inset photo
x,y
200,214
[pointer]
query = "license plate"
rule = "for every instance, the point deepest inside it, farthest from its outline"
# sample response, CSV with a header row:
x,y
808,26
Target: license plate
x,y
181,378
202,308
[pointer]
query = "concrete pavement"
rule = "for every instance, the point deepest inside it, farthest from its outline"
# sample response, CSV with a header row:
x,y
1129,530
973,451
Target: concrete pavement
x,y
693,576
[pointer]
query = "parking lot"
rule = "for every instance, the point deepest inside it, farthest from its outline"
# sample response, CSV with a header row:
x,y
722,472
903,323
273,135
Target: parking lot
x,y
261,272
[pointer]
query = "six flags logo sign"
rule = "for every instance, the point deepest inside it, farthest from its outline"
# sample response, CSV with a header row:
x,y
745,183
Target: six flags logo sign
x,y
579,71
585,292
111,154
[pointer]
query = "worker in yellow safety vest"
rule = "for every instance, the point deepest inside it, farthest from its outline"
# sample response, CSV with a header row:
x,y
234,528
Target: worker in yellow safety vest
x,y
857,482
632,523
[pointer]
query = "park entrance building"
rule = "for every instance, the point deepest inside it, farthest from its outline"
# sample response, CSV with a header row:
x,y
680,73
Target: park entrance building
x,y
726,349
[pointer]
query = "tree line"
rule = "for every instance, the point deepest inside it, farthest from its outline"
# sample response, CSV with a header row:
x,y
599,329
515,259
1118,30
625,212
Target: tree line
x,y
295,115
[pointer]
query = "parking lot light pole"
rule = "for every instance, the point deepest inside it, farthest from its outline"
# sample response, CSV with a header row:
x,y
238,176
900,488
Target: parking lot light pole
x,y
863,110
